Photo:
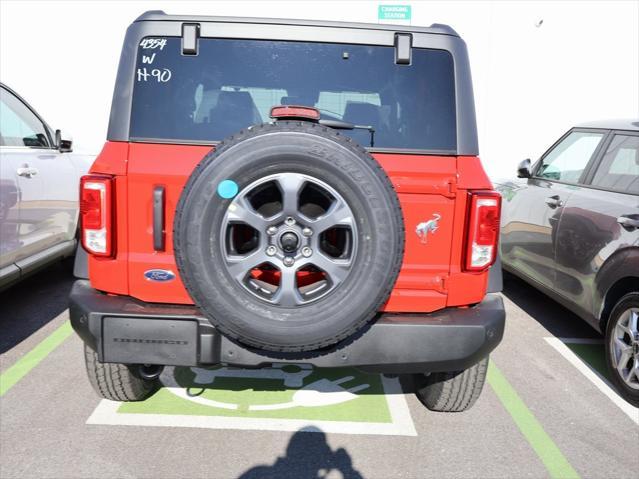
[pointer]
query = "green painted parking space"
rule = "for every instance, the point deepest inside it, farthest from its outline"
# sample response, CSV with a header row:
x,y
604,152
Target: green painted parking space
x,y
284,397
329,395
592,354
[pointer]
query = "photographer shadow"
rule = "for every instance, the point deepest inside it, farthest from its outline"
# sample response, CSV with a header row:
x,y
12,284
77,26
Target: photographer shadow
x,y
308,455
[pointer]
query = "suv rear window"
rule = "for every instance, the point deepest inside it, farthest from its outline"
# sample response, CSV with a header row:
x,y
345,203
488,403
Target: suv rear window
x,y
232,84
619,168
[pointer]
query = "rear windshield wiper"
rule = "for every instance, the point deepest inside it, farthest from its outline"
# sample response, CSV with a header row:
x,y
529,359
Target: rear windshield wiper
x,y
345,125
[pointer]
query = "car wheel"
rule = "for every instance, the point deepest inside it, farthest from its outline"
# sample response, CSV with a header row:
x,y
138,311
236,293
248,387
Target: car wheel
x,y
622,347
452,391
120,382
289,237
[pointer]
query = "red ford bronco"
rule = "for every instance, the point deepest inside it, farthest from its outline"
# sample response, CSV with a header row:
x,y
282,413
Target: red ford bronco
x,y
281,191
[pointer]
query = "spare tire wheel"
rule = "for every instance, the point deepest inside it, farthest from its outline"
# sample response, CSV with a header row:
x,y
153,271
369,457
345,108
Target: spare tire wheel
x,y
289,236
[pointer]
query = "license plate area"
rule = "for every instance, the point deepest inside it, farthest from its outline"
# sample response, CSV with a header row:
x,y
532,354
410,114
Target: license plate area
x,y
149,341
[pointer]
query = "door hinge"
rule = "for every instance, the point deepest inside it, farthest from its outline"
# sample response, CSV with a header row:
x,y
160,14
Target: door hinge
x,y
452,187
443,284
438,283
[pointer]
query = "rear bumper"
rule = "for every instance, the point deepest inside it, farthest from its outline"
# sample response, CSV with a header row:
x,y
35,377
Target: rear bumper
x,y
124,330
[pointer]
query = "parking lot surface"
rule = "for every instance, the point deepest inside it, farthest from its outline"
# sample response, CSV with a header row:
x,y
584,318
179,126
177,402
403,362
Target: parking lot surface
x,y
545,411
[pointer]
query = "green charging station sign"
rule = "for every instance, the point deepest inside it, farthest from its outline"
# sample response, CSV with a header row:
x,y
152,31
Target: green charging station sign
x,y
393,12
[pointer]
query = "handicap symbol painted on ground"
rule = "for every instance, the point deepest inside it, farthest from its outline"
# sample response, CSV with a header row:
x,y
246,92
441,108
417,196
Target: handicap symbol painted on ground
x,y
319,393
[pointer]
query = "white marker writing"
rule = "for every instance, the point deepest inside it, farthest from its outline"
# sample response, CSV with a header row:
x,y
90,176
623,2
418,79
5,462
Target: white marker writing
x,y
153,43
161,75
149,60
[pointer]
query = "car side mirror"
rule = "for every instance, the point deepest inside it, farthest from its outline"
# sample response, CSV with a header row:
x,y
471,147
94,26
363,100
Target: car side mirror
x,y
63,142
524,169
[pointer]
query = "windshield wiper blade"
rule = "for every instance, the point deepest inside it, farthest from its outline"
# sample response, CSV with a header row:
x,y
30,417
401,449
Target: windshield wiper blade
x,y
345,125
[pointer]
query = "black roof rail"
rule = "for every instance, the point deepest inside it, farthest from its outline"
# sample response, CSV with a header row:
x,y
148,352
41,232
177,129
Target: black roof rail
x,y
159,15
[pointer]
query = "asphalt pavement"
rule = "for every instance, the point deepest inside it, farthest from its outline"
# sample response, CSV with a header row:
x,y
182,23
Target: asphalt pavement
x,y
540,415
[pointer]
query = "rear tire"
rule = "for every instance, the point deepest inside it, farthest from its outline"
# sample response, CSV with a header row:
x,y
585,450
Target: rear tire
x,y
452,391
117,382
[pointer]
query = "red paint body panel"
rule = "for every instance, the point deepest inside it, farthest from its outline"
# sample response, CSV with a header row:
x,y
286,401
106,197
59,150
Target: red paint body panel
x,y
431,277
472,175
149,166
112,160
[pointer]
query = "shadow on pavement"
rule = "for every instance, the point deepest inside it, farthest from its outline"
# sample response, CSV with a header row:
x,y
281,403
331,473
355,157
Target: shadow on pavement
x,y
559,321
32,303
329,382
308,455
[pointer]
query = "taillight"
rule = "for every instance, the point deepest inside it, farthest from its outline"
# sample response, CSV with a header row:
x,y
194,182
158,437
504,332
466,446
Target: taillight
x,y
96,214
483,230
294,111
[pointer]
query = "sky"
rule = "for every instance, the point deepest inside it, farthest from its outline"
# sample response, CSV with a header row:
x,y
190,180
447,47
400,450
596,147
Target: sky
x,y
538,67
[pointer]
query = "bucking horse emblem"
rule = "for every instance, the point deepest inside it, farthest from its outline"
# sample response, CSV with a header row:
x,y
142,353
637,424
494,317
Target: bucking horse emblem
x,y
426,227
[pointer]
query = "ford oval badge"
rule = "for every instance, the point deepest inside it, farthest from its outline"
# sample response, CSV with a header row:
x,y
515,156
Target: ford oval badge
x,y
159,275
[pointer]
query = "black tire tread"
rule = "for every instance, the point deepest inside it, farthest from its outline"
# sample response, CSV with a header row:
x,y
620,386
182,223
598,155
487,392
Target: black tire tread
x,y
301,126
453,391
116,382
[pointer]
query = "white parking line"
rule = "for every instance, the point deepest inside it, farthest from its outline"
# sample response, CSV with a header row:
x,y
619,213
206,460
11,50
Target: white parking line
x,y
600,382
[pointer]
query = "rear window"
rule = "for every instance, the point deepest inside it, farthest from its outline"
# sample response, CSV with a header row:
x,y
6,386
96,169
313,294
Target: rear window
x,y
619,168
232,84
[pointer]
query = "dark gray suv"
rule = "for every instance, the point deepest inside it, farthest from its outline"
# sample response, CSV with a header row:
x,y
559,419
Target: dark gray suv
x,y
570,228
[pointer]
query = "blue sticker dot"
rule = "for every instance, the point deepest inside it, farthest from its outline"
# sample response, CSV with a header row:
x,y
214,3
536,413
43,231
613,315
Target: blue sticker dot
x,y
227,189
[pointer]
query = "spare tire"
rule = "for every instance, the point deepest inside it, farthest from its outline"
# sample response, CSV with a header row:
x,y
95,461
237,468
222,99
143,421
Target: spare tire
x,y
289,236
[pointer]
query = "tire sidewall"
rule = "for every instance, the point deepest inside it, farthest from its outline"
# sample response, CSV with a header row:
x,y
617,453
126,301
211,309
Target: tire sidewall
x,y
630,300
289,147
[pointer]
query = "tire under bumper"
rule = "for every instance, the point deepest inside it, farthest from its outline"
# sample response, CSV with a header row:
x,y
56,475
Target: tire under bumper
x,y
122,329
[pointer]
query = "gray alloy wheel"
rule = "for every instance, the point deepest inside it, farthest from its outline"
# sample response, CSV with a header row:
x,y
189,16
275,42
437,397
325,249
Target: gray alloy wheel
x,y
266,247
624,345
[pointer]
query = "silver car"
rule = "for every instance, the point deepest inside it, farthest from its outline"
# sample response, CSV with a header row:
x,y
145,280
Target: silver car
x,y
39,178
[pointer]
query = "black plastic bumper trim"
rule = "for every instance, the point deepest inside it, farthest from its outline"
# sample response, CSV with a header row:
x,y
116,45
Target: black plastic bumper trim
x,y
124,330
